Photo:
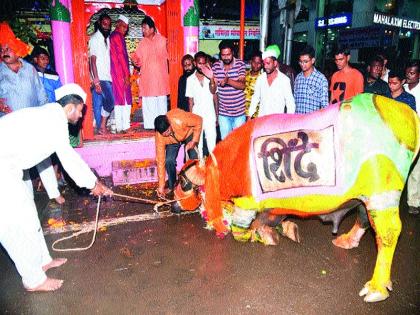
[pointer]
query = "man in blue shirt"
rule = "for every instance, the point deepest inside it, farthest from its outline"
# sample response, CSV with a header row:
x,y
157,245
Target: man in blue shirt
x,y
396,81
311,86
21,87
50,79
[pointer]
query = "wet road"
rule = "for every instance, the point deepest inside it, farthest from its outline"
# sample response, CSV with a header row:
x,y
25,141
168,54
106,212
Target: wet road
x,y
175,266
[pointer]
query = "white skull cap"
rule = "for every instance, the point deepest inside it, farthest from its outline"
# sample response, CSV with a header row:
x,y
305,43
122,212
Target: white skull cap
x,y
68,89
123,18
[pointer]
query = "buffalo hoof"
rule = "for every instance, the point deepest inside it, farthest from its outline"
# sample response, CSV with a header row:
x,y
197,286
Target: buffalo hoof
x,y
268,235
377,294
176,208
291,230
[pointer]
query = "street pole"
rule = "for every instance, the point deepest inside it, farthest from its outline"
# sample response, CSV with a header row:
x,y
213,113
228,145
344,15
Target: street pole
x,y
242,31
265,7
319,45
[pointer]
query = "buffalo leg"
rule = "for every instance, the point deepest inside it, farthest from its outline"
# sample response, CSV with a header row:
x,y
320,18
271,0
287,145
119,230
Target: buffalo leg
x,y
387,226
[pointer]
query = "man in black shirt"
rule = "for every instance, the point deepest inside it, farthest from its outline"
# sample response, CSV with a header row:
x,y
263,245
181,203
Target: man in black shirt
x,y
188,67
373,82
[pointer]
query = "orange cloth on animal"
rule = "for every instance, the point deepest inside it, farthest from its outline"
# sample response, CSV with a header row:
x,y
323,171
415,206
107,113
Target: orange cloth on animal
x,y
152,56
183,125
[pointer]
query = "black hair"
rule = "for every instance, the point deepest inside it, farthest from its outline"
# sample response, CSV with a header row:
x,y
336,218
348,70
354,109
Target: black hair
x,y
161,123
226,44
38,50
201,54
102,17
149,21
376,58
307,50
413,63
71,98
256,53
187,57
342,50
396,74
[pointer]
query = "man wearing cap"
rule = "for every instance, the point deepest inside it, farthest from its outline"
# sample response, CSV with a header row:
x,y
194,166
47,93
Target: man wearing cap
x,y
43,131
272,89
21,87
151,56
120,73
285,69
175,128
100,68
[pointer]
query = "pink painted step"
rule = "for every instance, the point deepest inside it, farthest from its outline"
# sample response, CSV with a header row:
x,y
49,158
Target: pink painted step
x,y
134,172
100,155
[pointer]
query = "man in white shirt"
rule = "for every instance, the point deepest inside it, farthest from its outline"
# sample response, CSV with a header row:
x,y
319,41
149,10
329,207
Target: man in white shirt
x,y
272,89
200,101
412,86
100,68
42,131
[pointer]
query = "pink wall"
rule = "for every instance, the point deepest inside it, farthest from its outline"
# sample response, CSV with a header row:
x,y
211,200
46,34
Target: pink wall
x,y
100,154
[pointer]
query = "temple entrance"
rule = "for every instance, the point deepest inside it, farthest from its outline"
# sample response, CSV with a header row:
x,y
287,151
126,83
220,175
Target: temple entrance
x,y
133,37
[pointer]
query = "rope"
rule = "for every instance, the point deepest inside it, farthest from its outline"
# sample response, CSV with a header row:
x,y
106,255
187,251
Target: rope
x,y
78,233
157,205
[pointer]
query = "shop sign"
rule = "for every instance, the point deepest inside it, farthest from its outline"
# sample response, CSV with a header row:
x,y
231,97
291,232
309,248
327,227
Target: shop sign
x,y
364,37
333,21
228,32
383,19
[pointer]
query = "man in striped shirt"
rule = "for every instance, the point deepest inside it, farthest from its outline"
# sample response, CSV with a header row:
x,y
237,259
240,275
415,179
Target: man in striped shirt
x,y
228,79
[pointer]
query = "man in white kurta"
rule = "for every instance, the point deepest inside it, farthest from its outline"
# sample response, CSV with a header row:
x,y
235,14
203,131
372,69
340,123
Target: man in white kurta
x,y
42,131
272,90
201,102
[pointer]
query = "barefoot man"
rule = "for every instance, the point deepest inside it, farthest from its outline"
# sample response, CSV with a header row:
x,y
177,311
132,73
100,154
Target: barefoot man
x,y
30,135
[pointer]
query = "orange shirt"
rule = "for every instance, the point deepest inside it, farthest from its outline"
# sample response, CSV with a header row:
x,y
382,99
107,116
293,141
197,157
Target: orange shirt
x,y
152,56
183,125
345,85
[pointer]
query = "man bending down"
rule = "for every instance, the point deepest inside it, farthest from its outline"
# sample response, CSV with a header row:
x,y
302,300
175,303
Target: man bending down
x,y
43,131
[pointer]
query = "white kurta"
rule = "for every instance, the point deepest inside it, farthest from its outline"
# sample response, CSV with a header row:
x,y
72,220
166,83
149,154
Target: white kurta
x,y
203,107
28,137
274,98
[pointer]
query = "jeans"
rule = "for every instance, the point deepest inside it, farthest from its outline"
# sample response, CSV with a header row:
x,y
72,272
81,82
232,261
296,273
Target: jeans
x,y
228,123
103,103
170,160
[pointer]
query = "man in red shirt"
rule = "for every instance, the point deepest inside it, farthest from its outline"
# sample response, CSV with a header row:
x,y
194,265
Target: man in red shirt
x,y
151,56
347,81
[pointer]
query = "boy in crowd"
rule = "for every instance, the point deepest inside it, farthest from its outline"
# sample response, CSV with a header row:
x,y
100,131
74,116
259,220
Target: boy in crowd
x,y
396,81
201,102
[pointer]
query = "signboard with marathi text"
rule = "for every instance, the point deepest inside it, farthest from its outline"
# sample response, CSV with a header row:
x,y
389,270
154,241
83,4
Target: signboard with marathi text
x,y
300,158
228,32
363,37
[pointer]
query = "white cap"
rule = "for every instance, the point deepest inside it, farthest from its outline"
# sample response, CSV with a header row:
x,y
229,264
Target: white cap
x,y
268,53
123,18
68,89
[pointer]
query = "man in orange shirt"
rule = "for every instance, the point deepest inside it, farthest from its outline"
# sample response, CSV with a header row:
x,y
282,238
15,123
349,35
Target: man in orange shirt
x,y
173,129
347,81
151,56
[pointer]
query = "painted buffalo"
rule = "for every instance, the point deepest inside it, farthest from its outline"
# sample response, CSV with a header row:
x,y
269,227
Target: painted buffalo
x,y
359,151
